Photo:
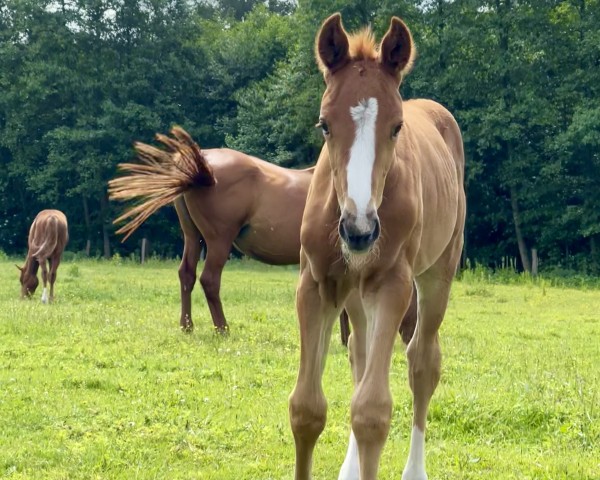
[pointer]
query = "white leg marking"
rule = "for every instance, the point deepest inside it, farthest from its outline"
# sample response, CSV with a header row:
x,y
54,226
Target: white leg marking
x,y
362,155
45,295
415,467
350,469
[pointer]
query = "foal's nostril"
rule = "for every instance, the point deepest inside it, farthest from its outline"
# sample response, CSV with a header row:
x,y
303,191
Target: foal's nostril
x,y
376,230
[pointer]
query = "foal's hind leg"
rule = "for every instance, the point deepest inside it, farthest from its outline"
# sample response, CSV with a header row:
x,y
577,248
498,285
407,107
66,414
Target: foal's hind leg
x,y
424,354
44,280
54,263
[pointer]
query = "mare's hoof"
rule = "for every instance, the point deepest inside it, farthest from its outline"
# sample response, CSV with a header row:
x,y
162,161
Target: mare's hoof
x,y
187,328
222,330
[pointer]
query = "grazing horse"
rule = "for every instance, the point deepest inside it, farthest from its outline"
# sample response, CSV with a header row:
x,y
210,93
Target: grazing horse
x,y
222,198
48,237
386,205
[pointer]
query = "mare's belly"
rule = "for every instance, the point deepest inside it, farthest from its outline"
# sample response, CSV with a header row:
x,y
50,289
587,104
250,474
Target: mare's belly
x,y
269,244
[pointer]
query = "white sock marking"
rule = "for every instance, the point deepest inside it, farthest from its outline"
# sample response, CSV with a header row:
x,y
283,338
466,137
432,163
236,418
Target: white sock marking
x,y
362,156
45,295
350,469
415,466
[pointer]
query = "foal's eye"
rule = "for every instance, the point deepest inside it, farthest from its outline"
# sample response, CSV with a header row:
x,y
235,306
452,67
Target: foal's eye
x,y
396,130
323,126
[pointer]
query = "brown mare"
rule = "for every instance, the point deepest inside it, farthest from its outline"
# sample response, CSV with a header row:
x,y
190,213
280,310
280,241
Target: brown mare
x,y
386,205
223,198
48,237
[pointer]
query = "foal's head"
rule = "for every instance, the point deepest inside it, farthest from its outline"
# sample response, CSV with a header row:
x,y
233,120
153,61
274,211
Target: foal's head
x,y
361,118
29,282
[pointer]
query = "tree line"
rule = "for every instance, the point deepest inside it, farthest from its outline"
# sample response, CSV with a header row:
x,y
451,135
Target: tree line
x,y
81,80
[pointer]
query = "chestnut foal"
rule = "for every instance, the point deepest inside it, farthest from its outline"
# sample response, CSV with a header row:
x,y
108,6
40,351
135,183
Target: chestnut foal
x,y
386,205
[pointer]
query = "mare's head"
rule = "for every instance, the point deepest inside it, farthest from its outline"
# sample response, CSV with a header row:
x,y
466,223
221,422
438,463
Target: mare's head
x,y
361,118
29,282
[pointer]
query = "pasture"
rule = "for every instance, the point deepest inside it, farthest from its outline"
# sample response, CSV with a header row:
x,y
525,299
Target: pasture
x,y
102,384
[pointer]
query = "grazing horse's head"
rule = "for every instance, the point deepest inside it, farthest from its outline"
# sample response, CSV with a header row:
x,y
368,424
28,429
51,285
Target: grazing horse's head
x,y
361,118
29,282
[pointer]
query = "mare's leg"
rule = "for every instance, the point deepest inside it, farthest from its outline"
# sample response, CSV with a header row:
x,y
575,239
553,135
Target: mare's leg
x,y
357,353
371,408
218,249
409,322
54,263
407,327
307,404
192,246
424,354
44,280
344,327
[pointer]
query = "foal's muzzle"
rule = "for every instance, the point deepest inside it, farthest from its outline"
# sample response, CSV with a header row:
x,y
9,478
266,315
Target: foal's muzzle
x,y
359,234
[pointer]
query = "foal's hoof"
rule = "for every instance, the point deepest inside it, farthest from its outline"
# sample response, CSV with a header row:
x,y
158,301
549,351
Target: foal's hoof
x,y
414,474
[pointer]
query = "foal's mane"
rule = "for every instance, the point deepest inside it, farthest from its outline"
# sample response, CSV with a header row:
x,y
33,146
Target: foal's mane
x,y
362,45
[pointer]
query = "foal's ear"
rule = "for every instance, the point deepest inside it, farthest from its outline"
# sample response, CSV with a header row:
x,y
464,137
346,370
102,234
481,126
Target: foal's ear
x,y
397,50
20,268
332,45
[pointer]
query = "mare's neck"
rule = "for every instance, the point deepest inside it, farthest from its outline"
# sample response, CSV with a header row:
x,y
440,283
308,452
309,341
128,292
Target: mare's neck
x,y
31,266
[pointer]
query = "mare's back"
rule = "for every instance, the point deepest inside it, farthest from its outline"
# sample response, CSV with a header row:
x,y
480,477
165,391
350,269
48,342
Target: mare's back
x,y
44,223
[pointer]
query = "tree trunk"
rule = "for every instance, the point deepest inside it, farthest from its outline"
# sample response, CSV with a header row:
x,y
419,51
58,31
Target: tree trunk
x,y
520,240
86,218
105,226
534,262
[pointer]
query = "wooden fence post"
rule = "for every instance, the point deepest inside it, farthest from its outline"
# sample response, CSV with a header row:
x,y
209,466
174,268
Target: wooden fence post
x,y
144,244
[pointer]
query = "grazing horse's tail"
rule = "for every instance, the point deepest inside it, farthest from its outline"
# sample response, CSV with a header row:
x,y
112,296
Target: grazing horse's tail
x,y
162,176
49,237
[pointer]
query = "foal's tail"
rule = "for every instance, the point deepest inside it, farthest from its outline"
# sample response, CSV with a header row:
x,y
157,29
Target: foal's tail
x,y
50,239
162,176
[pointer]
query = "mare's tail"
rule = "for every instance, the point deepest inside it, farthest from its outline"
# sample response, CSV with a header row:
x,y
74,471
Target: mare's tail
x,y
162,176
50,238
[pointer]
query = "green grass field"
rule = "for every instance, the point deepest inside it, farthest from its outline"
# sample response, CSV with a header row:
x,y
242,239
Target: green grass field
x,y
102,384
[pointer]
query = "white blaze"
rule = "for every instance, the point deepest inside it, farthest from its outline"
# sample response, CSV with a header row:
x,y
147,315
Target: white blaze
x,y
362,155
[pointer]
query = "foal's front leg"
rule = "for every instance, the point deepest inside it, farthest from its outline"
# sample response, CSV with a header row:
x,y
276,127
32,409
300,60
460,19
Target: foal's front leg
x,y
357,354
371,408
307,404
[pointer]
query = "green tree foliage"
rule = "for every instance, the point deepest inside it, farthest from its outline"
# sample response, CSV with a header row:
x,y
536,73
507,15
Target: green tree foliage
x,y
80,80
